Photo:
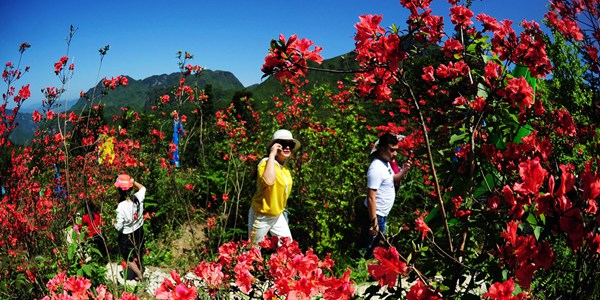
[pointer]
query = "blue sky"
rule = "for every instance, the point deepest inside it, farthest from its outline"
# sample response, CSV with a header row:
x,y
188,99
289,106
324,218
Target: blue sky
x,y
144,36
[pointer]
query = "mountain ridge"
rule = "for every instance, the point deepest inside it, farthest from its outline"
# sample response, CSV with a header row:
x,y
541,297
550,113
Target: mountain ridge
x,y
141,94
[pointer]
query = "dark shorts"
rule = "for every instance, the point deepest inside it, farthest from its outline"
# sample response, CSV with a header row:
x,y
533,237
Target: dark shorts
x,y
131,246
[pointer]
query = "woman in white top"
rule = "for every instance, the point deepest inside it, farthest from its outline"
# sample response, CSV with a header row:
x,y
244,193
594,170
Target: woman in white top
x,y
130,221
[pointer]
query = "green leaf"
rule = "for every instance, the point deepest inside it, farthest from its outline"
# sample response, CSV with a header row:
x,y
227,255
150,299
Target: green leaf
x,y
537,231
481,91
531,219
432,214
482,40
523,131
486,58
96,251
71,251
543,219
457,137
87,269
471,47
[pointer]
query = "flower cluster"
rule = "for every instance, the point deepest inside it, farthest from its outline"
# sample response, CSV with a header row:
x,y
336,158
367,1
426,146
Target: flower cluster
x,y
380,51
288,59
504,291
570,19
524,254
113,82
79,288
288,272
389,267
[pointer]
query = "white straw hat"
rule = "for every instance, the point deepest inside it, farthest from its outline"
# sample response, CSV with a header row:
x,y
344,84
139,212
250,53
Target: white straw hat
x,y
283,134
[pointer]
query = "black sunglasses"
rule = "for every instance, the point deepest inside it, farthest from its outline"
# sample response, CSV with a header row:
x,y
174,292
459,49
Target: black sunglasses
x,y
285,143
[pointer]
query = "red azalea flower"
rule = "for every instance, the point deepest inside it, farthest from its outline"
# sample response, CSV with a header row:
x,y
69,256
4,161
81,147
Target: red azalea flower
x,y
184,292
50,115
210,273
502,291
338,288
591,181
533,176
58,280
478,104
36,116
565,122
78,286
389,266
428,74
461,16
518,92
128,296
419,291
24,93
421,226
451,47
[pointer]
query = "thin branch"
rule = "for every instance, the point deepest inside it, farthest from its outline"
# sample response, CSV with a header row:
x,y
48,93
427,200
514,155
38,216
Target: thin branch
x,y
432,165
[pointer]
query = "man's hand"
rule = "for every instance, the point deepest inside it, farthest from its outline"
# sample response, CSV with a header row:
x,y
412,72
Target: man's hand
x,y
374,228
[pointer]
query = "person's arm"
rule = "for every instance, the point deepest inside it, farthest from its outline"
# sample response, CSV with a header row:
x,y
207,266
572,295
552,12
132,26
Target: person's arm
x,y
403,170
372,208
137,185
269,175
141,190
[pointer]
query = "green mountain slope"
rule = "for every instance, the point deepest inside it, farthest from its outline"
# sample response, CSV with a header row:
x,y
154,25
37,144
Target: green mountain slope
x,y
342,66
140,94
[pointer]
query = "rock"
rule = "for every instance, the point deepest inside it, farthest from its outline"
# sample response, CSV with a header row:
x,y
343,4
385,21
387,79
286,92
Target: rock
x,y
114,274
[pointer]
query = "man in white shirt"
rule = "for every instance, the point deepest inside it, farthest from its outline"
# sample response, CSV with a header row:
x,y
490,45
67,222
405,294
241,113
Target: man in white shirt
x,y
381,192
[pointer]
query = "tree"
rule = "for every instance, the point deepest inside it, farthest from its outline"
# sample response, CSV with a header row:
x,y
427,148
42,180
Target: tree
x,y
492,149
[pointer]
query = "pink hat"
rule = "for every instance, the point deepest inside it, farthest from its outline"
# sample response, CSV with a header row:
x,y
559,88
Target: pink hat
x,y
123,182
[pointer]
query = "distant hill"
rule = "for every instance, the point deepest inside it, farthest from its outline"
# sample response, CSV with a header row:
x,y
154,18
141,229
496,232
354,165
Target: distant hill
x,y
343,66
23,133
140,94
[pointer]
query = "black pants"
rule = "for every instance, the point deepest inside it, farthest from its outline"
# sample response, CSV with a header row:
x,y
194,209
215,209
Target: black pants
x,y
132,246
